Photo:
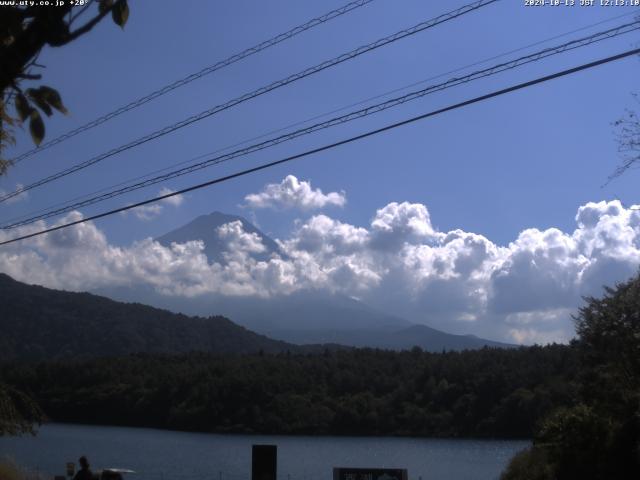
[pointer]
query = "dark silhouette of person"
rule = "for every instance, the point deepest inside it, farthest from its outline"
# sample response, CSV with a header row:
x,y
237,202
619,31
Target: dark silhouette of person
x,y
84,473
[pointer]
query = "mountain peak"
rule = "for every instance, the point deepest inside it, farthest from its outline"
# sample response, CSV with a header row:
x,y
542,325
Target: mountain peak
x,y
205,228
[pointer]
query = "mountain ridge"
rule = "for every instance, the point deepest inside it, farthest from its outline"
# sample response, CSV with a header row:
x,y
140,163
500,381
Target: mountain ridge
x,y
42,323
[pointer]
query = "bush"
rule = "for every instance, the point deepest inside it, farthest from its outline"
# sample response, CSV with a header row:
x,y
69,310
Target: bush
x,y
529,464
10,471
18,412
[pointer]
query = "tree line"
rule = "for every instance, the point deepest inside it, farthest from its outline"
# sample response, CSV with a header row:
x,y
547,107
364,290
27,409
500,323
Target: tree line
x,y
481,393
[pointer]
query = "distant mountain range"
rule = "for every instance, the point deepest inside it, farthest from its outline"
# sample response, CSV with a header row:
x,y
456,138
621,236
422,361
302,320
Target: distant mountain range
x,y
422,336
39,323
302,317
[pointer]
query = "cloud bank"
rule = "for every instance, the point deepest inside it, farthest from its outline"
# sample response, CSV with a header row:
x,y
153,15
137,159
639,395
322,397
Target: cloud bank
x,y
458,281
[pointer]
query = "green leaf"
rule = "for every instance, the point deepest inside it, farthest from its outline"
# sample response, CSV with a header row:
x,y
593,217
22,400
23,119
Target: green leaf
x,y
40,100
22,107
120,13
53,98
36,127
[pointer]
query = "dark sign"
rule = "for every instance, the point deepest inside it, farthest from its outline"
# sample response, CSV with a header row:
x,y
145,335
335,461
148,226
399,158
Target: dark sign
x,y
369,473
264,462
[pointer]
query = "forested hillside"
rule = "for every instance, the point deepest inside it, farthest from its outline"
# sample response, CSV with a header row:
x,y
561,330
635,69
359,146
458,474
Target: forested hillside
x,y
484,393
40,323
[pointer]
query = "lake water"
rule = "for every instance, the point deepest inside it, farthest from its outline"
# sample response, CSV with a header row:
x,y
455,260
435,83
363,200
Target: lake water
x,y
167,455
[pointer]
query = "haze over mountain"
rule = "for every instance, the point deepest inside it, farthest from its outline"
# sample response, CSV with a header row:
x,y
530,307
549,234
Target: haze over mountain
x,y
304,316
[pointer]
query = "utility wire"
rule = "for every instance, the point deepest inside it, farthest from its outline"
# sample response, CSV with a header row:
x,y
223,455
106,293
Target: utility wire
x,y
322,115
194,76
316,117
355,138
338,120
261,91
534,57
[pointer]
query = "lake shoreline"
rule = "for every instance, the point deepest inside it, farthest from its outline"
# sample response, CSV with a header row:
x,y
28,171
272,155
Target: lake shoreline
x,y
292,435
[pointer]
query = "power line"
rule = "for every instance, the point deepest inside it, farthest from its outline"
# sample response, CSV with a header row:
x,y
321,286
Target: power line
x,y
355,138
315,117
534,57
194,76
338,120
261,91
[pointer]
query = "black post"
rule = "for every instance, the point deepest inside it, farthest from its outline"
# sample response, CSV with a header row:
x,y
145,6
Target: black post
x,y
264,462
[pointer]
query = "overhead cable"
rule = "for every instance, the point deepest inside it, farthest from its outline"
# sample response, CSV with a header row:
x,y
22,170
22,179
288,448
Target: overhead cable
x,y
355,138
260,91
370,110
314,22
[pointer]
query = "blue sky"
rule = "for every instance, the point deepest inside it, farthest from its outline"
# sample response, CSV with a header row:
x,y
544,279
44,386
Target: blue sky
x,y
526,160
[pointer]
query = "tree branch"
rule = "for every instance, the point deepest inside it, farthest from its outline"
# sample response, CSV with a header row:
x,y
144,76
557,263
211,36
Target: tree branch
x,y
89,25
29,76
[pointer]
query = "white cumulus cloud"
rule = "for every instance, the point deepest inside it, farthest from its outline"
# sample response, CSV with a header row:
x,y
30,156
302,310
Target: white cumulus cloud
x,y
292,193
